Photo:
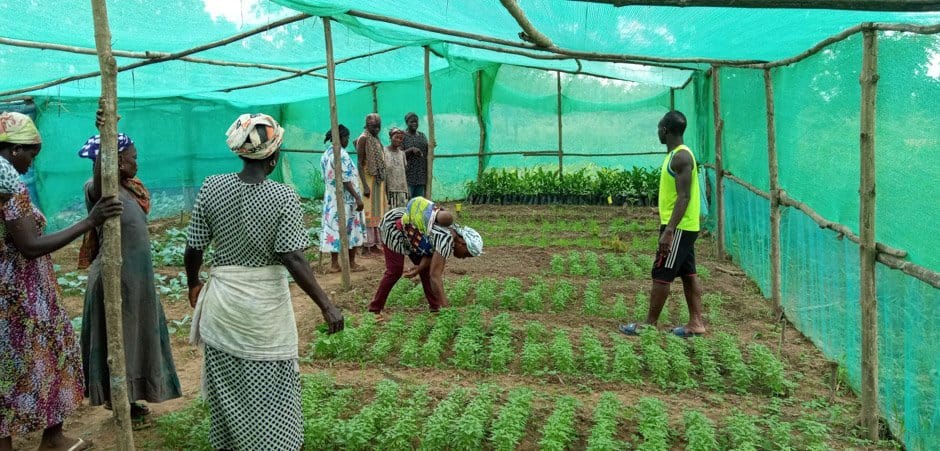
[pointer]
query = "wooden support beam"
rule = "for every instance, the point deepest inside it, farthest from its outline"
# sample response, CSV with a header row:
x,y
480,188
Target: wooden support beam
x,y
561,153
481,165
375,98
776,282
866,225
672,99
556,57
337,156
719,169
432,142
529,32
167,57
591,56
111,231
853,5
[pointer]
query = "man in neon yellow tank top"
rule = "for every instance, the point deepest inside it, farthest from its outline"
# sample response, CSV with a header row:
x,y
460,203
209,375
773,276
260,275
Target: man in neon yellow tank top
x,y
679,208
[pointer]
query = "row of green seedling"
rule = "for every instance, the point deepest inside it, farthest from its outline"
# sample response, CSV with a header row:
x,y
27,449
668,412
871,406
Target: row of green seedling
x,y
466,342
395,416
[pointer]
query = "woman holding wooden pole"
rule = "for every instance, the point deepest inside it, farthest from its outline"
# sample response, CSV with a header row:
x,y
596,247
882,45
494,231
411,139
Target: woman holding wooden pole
x,y
40,363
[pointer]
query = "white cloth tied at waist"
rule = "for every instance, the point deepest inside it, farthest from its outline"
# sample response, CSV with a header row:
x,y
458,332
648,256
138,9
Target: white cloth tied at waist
x,y
247,312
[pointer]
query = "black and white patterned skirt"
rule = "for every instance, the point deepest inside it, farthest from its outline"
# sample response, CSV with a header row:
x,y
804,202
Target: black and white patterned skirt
x,y
254,405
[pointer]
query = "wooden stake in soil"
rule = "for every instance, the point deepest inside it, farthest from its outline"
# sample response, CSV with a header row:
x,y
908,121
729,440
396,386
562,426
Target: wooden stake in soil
x,y
719,169
866,223
337,154
775,277
561,167
482,123
375,98
111,239
432,142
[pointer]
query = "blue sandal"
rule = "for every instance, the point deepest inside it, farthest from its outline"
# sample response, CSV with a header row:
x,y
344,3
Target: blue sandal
x,y
632,329
682,332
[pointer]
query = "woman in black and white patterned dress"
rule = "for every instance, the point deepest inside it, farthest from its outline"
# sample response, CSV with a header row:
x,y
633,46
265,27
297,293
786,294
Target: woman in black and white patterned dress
x,y
244,317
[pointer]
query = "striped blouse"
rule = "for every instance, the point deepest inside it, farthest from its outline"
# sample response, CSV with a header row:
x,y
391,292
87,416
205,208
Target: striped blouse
x,y
402,241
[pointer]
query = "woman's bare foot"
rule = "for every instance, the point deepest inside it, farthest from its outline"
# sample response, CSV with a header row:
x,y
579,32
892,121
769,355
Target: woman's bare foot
x,y
54,439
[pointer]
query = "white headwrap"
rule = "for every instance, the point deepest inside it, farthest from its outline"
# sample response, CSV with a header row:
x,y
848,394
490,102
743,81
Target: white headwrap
x,y
243,137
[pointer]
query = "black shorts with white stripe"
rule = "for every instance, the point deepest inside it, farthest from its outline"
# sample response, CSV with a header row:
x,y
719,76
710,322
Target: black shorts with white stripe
x,y
680,261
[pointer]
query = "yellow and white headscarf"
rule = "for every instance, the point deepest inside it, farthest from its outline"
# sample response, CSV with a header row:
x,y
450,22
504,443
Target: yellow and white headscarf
x,y
243,137
18,128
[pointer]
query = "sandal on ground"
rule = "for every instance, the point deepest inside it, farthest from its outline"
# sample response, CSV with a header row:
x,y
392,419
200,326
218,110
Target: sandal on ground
x,y
81,445
139,411
682,332
632,329
378,317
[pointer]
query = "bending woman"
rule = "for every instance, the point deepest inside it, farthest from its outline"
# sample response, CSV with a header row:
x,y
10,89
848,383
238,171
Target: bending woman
x,y
244,315
40,366
151,374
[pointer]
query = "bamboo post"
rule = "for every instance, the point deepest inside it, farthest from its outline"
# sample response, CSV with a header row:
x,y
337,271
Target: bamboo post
x,y
561,153
719,168
432,142
482,123
866,223
775,276
375,98
337,155
111,239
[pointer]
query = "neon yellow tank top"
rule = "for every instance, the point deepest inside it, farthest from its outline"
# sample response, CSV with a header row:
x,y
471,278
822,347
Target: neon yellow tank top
x,y
668,194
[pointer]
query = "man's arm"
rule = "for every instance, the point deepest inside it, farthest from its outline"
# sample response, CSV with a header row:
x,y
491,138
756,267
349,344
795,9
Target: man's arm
x,y
360,162
681,166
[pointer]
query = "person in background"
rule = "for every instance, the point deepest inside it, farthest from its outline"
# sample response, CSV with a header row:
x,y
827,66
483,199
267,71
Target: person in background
x,y
151,374
415,231
243,316
396,184
371,158
416,153
352,202
679,206
40,362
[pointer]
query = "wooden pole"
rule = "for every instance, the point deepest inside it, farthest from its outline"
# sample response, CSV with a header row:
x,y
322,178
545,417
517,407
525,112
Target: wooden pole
x,y
167,57
866,224
856,5
111,235
432,142
775,276
672,99
561,153
479,96
375,98
529,32
337,156
719,168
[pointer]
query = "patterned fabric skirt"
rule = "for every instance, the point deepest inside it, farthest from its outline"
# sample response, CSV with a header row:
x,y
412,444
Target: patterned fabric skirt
x,y
376,203
254,405
397,199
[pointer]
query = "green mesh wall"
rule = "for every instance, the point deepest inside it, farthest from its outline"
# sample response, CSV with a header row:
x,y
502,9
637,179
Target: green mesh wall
x,y
817,104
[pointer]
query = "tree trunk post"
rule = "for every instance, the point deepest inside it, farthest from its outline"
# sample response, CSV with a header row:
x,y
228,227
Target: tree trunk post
x,y
866,222
375,97
432,142
775,276
111,235
337,155
479,96
719,168
561,153
672,99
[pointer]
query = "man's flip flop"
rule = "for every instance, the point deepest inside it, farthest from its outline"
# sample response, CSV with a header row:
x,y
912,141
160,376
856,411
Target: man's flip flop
x,y
80,445
682,332
632,329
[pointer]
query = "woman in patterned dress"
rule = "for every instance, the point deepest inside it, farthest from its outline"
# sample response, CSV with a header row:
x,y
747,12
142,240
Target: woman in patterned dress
x,y
244,316
40,363
352,201
371,159
396,184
